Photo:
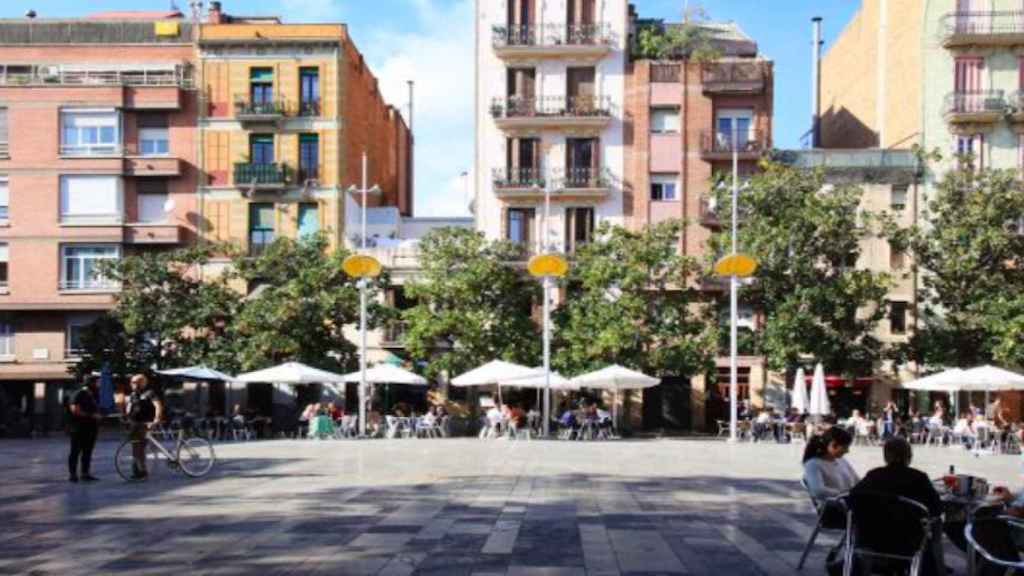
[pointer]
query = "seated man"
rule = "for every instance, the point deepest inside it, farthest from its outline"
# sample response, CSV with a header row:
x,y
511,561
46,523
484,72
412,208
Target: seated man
x,y
899,479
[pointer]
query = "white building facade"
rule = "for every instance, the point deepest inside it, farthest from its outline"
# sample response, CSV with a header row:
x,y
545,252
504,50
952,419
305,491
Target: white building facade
x,y
550,84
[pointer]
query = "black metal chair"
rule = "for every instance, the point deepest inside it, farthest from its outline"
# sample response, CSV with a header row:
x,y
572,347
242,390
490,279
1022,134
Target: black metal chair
x,y
992,538
831,518
885,532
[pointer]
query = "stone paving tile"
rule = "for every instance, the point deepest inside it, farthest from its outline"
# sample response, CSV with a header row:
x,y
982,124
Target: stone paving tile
x,y
453,507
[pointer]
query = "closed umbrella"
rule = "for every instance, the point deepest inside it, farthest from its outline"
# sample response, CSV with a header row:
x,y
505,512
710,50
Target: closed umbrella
x,y
799,402
819,405
616,378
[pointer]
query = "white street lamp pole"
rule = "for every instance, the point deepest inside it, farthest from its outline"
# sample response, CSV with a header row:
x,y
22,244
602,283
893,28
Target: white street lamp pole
x,y
362,320
547,317
733,280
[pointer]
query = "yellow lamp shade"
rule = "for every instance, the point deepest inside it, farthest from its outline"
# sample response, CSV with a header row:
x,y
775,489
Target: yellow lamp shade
x,y
361,266
548,265
738,265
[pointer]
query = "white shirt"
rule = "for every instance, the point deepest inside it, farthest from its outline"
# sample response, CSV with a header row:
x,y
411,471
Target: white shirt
x,y
828,478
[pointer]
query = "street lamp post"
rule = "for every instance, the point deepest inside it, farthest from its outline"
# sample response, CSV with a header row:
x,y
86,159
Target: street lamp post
x,y
546,266
363,267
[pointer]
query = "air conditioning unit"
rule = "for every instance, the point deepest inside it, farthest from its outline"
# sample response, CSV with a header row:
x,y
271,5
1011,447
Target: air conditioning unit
x,y
40,354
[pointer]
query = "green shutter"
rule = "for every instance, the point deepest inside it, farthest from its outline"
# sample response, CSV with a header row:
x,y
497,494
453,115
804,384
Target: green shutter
x,y
261,75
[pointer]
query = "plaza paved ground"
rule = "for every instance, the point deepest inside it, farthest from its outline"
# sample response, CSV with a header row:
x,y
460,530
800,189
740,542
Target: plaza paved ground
x,y
446,507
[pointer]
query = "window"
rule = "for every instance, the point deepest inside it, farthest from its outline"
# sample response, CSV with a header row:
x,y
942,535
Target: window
x,y
309,219
154,142
309,91
4,148
520,225
261,227
5,198
77,324
87,132
897,258
261,85
80,267
726,120
4,262
582,161
581,87
90,200
261,149
309,157
664,120
579,227
6,337
663,187
151,197
898,197
897,317
972,148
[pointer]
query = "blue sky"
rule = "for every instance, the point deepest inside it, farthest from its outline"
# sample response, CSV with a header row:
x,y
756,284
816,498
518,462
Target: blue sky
x,y
431,42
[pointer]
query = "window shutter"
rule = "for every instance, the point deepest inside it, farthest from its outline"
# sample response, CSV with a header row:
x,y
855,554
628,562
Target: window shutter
x,y
151,121
3,124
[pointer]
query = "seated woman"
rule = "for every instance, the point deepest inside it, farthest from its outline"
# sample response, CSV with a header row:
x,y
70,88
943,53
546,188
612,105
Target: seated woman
x,y
964,431
826,473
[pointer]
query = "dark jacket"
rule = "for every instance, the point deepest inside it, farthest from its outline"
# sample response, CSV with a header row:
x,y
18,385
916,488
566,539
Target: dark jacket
x,y
902,481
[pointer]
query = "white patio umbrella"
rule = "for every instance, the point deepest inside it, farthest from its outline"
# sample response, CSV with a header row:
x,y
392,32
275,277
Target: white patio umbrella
x,y
494,372
946,381
292,373
990,379
616,378
538,380
388,374
199,373
799,401
819,405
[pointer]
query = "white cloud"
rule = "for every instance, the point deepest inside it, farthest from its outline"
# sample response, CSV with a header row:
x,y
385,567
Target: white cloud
x,y
439,59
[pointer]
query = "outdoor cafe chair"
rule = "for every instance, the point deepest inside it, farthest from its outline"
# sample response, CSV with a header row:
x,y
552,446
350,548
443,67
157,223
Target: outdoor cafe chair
x,y
936,434
871,520
723,428
992,538
829,511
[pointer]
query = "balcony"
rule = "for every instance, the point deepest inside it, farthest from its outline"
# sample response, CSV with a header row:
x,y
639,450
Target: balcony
x,y
152,234
968,29
709,213
262,176
152,166
89,285
552,112
309,109
177,76
5,150
553,41
248,112
733,78
715,145
518,183
982,107
1015,106
585,182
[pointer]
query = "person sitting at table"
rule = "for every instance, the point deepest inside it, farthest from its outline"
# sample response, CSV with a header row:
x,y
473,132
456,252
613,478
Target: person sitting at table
x,y
826,473
516,419
763,424
334,411
938,415
899,479
963,430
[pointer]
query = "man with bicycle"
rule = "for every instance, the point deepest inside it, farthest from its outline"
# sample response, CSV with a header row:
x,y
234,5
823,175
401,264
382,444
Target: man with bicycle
x,y
144,411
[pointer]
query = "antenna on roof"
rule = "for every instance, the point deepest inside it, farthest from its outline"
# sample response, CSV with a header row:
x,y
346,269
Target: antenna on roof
x,y
197,9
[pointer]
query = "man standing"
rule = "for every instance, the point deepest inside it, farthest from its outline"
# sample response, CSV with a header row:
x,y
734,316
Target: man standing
x,y
144,411
84,425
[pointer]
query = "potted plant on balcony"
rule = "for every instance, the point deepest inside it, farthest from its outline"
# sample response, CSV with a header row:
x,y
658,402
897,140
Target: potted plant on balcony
x,y
497,110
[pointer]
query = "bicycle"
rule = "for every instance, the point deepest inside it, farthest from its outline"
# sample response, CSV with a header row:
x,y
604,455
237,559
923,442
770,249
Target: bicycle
x,y
193,456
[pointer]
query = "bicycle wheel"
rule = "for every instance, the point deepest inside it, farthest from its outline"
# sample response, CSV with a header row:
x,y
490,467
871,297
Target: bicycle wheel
x,y
124,461
196,457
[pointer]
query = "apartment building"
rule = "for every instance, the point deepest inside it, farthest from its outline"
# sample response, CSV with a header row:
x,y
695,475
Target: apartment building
x,y
288,111
549,104
97,161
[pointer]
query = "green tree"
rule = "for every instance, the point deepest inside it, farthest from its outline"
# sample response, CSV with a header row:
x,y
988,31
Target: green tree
x,y
629,302
299,303
165,314
971,257
807,239
689,39
473,304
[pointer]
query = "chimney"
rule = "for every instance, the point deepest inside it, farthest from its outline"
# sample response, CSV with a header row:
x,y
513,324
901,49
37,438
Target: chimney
x,y
214,15
816,83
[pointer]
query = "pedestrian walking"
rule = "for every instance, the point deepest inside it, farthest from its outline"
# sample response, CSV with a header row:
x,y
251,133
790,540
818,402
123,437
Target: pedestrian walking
x,y
84,424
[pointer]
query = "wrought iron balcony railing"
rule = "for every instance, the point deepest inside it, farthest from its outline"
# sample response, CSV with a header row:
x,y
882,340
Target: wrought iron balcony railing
x,y
309,108
1001,23
583,178
518,178
249,109
14,75
553,35
976,102
261,174
552,106
721,142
